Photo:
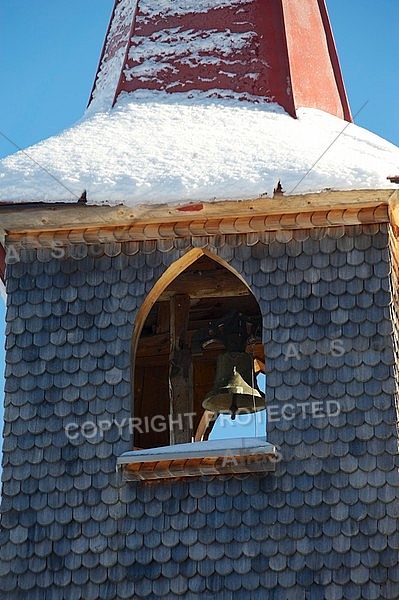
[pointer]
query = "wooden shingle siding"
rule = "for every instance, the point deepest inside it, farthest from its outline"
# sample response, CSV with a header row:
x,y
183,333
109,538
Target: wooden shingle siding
x,y
323,526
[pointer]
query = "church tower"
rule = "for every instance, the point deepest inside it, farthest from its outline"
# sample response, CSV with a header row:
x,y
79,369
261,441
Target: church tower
x,y
203,211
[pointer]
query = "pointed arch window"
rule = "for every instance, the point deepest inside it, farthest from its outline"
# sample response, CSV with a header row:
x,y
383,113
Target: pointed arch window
x,y
174,356
174,368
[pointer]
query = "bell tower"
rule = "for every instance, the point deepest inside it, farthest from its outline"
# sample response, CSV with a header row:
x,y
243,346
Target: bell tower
x,y
182,202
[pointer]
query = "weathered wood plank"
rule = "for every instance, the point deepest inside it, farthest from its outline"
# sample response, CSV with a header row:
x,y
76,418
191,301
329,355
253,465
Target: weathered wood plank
x,y
162,325
211,284
180,369
142,222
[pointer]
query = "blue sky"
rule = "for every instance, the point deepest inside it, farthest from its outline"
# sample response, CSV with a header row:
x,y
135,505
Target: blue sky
x,y
49,51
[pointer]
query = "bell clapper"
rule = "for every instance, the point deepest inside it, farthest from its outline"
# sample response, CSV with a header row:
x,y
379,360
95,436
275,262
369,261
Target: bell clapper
x,y
234,406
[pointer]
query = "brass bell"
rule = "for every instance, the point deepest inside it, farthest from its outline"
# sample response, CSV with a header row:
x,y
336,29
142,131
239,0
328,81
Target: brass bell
x,y
231,392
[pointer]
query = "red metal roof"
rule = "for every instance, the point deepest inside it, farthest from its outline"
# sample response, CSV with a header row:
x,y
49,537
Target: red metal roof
x,y
278,50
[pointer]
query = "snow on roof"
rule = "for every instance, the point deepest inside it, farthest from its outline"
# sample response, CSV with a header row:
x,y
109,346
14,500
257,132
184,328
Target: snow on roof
x,y
3,294
155,148
213,448
111,63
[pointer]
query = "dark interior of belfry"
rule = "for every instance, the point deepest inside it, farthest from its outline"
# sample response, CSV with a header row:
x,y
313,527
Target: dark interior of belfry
x,y
204,313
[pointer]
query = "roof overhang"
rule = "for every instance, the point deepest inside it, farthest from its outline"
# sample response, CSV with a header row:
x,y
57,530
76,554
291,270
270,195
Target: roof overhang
x,y
2,264
43,225
329,208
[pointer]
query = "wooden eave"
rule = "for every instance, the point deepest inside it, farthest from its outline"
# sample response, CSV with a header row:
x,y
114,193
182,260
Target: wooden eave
x,y
197,467
183,461
43,223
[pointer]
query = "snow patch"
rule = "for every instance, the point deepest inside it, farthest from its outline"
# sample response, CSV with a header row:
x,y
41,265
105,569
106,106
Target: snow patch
x,y
114,54
3,293
213,448
190,47
182,7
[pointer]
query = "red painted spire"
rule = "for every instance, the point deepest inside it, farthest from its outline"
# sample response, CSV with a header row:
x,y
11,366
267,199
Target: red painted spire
x,y
278,50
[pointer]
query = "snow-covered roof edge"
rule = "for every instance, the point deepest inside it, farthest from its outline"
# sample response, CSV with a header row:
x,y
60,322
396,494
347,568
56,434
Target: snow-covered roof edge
x,y
159,148
208,449
3,294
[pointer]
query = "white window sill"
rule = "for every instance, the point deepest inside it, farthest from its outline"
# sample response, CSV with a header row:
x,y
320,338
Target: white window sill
x,y
216,457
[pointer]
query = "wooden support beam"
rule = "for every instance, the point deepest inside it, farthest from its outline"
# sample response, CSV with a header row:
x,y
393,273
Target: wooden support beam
x,y
34,217
155,346
2,264
206,284
180,370
162,325
205,426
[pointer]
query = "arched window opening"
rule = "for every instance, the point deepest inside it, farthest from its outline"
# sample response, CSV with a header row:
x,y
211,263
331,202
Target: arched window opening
x,y
181,338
